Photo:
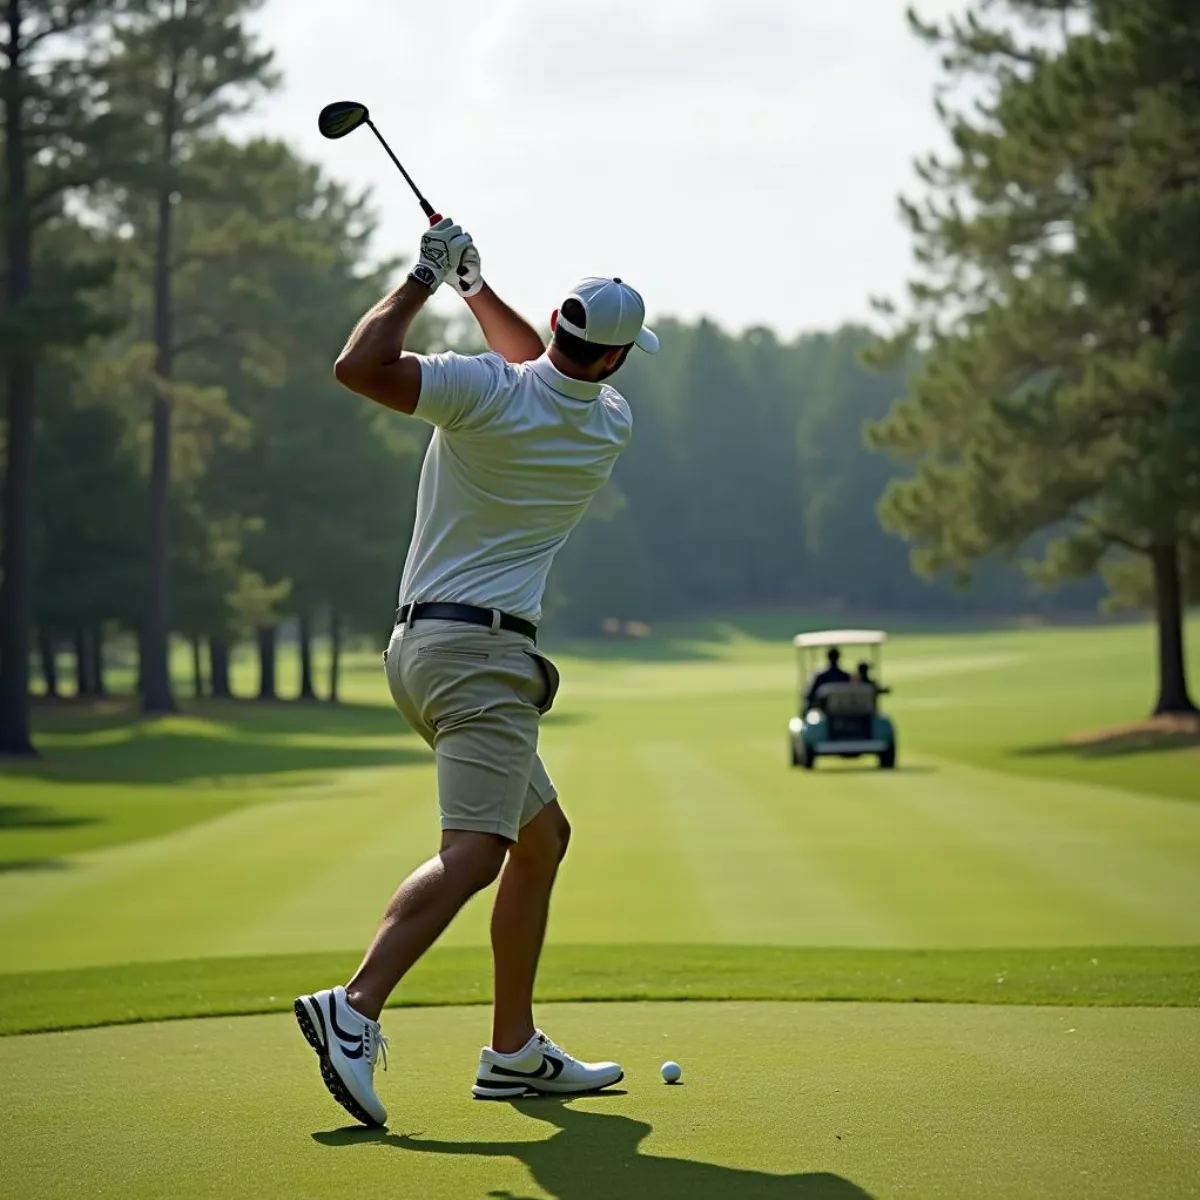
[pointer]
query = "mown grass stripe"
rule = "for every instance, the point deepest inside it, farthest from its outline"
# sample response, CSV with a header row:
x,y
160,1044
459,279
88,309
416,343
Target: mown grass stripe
x,y
1122,976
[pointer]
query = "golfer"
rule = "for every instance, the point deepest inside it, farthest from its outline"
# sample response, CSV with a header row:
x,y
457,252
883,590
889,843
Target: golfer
x,y
523,439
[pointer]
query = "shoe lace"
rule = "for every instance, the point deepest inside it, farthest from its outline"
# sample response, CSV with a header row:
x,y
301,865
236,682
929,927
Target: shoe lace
x,y
378,1047
554,1047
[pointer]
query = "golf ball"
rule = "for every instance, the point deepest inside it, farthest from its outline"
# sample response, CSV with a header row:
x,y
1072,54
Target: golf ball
x,y
671,1072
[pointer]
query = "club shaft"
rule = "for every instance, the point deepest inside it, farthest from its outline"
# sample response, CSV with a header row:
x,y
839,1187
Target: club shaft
x,y
426,207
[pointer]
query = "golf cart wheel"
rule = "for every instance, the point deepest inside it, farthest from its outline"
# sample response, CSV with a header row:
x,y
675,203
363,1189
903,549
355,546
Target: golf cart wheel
x,y
793,752
810,757
887,760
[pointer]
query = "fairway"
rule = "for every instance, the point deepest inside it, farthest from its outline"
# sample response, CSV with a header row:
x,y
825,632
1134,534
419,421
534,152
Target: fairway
x,y
779,1102
689,827
218,861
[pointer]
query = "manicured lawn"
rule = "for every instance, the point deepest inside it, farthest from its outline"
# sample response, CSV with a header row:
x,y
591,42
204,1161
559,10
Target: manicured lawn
x,y
1138,976
778,1102
217,862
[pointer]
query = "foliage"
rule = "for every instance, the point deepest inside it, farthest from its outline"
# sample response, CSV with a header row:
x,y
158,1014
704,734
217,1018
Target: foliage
x,y
1058,309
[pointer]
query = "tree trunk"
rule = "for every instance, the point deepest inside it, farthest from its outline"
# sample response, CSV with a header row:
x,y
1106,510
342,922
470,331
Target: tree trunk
x,y
266,664
96,658
197,669
156,633
48,651
85,664
16,555
218,667
307,691
335,654
1173,696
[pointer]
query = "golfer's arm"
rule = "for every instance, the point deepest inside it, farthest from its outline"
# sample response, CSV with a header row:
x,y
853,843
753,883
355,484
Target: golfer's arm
x,y
506,332
373,362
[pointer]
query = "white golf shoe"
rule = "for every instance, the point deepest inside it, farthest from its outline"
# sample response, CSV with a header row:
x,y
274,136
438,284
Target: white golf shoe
x,y
539,1066
348,1046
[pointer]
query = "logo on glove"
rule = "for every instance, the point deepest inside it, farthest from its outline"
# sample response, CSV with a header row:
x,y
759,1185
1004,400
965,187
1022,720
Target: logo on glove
x,y
435,251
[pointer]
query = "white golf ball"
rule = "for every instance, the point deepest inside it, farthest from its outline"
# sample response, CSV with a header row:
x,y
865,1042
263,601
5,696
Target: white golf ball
x,y
671,1072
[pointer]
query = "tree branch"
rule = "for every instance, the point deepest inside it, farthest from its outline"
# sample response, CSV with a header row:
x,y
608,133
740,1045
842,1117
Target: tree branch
x,y
200,340
68,21
1109,535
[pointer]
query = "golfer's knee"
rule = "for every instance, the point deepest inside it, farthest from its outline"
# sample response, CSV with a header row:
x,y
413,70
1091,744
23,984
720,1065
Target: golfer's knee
x,y
543,842
473,860
563,832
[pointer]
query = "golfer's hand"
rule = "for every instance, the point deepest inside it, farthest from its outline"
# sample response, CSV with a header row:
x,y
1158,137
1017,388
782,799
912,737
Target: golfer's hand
x,y
442,249
468,279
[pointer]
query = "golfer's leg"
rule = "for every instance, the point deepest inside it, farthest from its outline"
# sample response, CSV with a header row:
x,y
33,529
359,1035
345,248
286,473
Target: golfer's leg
x,y
519,923
425,903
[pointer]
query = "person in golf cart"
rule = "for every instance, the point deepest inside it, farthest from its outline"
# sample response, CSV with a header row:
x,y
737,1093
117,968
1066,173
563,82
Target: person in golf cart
x,y
831,674
863,675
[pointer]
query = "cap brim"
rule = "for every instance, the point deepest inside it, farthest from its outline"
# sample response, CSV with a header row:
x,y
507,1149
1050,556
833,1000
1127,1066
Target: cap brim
x,y
647,340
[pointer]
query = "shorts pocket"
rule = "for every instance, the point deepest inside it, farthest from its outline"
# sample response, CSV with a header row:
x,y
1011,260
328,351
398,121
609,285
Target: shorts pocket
x,y
461,653
550,676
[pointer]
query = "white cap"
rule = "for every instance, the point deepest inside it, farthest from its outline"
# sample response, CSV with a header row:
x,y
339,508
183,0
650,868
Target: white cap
x,y
614,313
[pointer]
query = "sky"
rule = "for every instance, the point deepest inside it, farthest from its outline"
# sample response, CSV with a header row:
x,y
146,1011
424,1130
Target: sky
x,y
735,159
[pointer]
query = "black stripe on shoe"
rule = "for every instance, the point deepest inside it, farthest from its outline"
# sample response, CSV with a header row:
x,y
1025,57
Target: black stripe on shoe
x,y
549,1068
329,1076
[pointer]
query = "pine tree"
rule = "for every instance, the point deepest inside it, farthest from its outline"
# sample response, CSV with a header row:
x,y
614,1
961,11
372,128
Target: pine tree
x,y
183,65
52,124
1059,305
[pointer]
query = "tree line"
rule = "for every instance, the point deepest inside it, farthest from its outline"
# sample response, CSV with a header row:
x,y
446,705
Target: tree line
x,y
179,461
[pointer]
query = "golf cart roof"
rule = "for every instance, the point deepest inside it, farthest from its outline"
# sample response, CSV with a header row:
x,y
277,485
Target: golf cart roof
x,y
839,637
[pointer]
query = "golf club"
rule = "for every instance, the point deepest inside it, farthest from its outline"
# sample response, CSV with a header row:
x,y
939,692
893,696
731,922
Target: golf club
x,y
345,116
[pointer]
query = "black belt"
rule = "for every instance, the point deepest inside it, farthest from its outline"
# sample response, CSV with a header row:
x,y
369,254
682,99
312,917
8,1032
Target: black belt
x,y
467,613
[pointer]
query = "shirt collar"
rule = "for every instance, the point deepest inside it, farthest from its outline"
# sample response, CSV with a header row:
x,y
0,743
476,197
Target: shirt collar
x,y
552,377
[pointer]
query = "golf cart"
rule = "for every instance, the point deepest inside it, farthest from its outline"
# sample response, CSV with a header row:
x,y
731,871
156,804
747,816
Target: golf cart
x,y
840,720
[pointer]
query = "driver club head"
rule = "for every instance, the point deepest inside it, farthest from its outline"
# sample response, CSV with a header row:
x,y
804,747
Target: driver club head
x,y
342,117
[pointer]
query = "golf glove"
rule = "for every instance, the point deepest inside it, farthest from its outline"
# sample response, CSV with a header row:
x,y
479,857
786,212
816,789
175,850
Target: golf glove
x,y
442,249
468,279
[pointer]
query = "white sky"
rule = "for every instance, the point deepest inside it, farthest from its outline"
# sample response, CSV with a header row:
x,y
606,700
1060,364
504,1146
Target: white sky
x,y
743,156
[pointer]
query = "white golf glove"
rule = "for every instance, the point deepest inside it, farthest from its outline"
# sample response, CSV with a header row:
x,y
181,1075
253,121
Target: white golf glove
x,y
442,248
468,279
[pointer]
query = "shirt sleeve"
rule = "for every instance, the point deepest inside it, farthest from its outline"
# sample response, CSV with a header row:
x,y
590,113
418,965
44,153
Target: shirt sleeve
x,y
455,387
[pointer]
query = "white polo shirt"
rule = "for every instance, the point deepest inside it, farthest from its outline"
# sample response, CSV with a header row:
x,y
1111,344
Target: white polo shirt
x,y
518,452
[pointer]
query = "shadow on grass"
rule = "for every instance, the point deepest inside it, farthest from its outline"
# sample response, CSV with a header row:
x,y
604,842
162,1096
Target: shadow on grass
x,y
169,758
1144,737
39,817
595,1156
271,716
873,769
113,743
19,866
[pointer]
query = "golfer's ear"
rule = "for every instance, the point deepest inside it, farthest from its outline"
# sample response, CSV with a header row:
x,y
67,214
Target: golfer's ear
x,y
554,321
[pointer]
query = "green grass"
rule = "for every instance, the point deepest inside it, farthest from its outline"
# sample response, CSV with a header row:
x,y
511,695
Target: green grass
x,y
239,830
778,1102
1126,976
219,861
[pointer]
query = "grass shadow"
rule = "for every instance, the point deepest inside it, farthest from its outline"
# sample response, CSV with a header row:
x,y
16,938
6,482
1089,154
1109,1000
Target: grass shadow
x,y
176,758
39,817
872,769
271,716
1152,736
112,742
595,1156
19,866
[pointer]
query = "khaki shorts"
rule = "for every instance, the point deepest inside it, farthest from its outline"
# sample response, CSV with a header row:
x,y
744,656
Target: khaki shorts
x,y
476,696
